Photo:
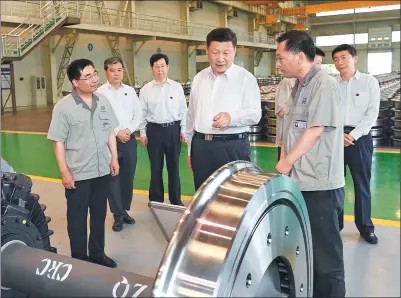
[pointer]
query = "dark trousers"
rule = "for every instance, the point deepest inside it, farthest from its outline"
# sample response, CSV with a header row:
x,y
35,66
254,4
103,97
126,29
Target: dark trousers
x,y
90,193
328,263
164,141
122,185
358,158
278,152
208,156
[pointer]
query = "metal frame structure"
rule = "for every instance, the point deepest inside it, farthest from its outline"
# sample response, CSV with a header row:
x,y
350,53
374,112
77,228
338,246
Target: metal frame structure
x,y
113,40
7,75
70,40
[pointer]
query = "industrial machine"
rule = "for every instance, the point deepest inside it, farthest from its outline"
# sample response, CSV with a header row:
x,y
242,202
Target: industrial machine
x,y
246,233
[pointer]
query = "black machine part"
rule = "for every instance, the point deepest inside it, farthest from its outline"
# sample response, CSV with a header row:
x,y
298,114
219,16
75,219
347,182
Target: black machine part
x,y
23,219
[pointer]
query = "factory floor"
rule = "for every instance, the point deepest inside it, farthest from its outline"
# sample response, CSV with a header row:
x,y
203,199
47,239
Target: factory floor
x,y
25,147
371,270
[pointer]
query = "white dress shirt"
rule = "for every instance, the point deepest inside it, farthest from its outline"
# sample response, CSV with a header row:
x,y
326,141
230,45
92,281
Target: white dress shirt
x,y
361,97
126,105
283,94
236,92
162,104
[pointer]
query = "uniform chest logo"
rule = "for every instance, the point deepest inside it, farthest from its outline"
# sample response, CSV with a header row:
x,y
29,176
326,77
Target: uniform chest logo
x,y
102,108
304,101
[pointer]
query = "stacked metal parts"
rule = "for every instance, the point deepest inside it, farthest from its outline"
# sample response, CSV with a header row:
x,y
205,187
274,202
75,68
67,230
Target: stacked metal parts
x,y
187,90
256,132
395,114
268,93
137,86
382,130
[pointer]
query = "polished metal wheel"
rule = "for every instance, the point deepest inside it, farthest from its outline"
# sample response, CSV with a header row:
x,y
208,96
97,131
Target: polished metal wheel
x,y
245,234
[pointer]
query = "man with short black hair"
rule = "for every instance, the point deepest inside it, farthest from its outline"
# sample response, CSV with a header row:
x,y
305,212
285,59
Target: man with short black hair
x,y
82,129
319,56
126,105
224,102
162,130
283,94
311,150
361,97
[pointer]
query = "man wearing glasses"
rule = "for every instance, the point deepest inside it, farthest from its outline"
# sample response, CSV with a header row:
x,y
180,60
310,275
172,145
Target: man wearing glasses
x,y
82,129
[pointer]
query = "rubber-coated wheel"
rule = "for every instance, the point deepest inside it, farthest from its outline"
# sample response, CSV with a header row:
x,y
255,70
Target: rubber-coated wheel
x,y
25,221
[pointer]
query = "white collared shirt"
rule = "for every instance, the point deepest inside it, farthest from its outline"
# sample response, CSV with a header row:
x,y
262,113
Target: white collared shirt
x,y
162,104
361,98
236,92
283,94
126,105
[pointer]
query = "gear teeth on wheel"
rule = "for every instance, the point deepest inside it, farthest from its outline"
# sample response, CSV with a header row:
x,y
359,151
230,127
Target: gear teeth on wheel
x,y
47,235
21,208
43,207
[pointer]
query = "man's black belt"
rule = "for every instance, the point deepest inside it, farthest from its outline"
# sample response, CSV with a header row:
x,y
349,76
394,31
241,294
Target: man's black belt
x,y
220,137
165,124
348,129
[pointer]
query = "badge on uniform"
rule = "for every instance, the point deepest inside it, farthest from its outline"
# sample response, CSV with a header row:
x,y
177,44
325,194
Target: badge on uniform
x,y
300,124
103,108
304,101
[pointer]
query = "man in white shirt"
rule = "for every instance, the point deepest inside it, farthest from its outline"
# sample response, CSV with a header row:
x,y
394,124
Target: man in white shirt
x,y
162,129
361,96
128,110
224,102
283,94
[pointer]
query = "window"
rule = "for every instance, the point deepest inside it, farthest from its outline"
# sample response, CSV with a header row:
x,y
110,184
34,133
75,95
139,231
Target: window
x,y
360,38
379,63
335,40
378,8
395,36
334,12
358,10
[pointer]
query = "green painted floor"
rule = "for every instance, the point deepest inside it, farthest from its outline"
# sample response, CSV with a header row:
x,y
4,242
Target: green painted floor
x,y
33,155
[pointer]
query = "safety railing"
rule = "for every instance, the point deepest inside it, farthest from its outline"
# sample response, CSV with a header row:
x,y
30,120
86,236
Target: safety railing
x,y
90,14
130,20
25,35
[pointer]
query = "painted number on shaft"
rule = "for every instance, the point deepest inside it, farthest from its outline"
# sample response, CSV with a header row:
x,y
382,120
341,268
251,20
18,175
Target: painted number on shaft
x,y
127,287
53,268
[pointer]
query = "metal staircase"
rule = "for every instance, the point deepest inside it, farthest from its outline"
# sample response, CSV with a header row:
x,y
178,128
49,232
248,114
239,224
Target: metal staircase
x,y
70,40
18,42
258,57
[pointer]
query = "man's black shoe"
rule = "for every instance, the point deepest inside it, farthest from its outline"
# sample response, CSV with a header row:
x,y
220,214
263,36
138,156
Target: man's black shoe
x,y
104,261
370,237
117,226
85,258
129,220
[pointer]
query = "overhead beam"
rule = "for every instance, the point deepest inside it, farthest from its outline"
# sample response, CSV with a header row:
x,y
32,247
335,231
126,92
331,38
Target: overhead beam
x,y
314,24
261,2
244,6
315,8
